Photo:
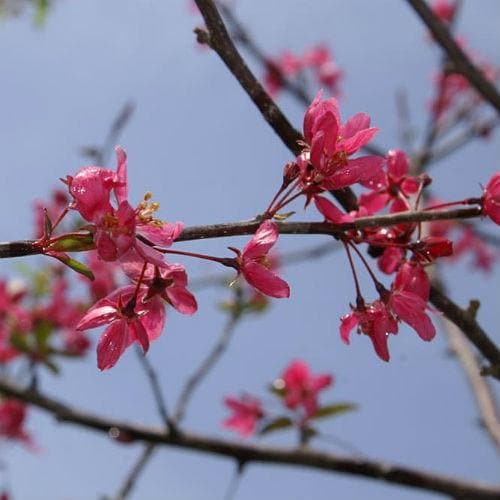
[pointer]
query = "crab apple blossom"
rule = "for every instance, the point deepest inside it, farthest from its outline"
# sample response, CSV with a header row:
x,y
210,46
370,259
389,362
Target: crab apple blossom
x,y
491,199
390,185
116,228
168,282
325,162
301,387
374,320
12,419
247,412
130,320
255,266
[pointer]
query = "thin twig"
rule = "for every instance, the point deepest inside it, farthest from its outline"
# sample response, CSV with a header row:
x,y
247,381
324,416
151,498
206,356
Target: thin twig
x,y
206,365
219,40
462,63
136,470
382,471
29,247
155,386
100,154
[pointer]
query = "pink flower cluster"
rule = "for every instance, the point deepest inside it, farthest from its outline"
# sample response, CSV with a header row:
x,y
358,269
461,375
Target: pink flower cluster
x,y
136,242
318,60
298,392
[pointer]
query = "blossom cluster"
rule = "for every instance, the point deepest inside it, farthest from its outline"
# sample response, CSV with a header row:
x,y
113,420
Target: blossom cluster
x,y
132,239
297,391
317,60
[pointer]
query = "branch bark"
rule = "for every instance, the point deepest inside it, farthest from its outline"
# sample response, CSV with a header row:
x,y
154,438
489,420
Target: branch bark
x,y
462,64
245,453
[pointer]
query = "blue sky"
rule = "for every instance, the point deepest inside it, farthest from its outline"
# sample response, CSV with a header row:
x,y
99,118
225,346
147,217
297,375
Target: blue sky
x,y
199,144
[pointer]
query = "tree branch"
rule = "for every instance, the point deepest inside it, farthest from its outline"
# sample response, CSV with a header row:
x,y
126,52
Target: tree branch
x,y
470,327
219,40
245,453
462,64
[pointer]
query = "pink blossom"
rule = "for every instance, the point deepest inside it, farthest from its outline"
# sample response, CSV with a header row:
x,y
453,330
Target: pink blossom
x,y
409,297
325,163
255,265
116,227
168,282
389,186
286,65
301,387
130,320
12,419
491,199
320,59
374,320
104,275
247,412
444,9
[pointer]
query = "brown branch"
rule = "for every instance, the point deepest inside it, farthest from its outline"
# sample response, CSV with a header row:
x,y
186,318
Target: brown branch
x,y
219,40
483,394
245,453
465,320
136,470
462,64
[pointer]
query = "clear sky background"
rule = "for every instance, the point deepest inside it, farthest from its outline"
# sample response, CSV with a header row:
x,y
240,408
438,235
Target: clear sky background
x,y
199,144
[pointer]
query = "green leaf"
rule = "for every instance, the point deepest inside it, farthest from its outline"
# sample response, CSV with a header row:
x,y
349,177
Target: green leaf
x,y
41,11
333,410
42,334
276,425
72,242
74,264
20,342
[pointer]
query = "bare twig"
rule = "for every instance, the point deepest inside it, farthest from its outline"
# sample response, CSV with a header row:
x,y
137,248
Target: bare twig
x,y
136,470
245,453
100,154
483,394
207,364
219,40
155,386
462,64
466,321
29,247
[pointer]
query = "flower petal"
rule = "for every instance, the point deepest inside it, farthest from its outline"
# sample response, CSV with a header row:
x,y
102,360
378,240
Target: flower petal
x,y
112,344
265,280
263,240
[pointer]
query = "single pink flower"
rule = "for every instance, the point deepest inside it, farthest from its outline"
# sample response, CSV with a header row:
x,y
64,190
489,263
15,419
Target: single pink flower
x,y
12,420
491,198
168,282
247,412
286,65
116,227
374,320
325,163
320,59
255,265
301,387
444,9
388,186
130,320
409,297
